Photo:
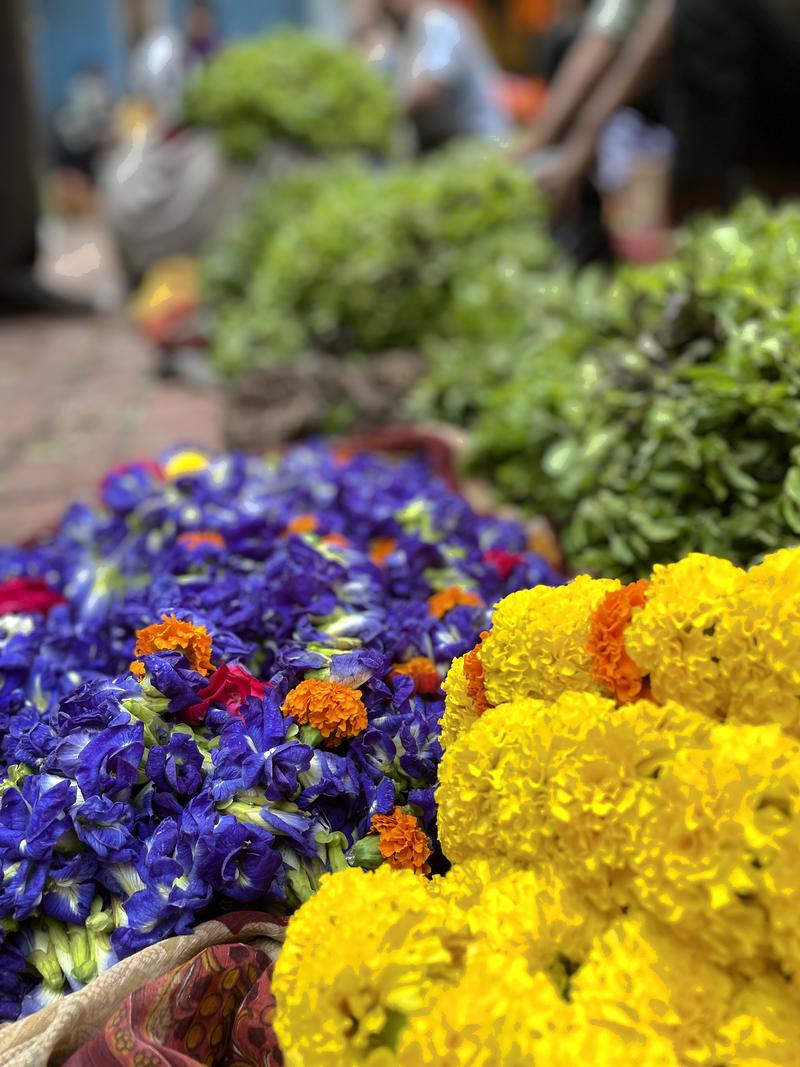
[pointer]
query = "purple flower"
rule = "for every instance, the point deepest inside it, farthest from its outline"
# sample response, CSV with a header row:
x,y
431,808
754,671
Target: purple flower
x,y
106,827
176,766
70,888
240,860
111,761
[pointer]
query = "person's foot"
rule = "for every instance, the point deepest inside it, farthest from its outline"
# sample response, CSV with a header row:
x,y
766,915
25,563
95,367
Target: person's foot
x,y
21,294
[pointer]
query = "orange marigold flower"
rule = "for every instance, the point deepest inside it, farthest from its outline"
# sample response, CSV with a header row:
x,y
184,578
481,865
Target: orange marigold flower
x,y
301,524
173,635
330,707
403,843
380,550
473,670
193,539
440,603
611,664
336,540
342,456
424,673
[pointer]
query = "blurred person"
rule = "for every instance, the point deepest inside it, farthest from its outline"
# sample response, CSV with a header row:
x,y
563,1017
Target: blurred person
x,y
20,293
164,184
732,71
446,73
200,32
81,125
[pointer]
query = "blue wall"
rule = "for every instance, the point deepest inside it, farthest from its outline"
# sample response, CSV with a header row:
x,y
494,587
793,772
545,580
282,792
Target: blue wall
x,y
244,18
66,34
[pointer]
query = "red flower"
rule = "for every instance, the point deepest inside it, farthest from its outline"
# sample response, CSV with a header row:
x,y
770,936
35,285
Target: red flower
x,y
27,595
229,688
503,562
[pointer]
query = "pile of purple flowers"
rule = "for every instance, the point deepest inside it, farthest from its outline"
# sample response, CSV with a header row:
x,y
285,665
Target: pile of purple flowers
x,y
159,763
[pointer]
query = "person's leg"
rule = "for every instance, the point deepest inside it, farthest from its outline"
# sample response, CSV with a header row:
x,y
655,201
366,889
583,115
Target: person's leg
x,y
19,199
19,207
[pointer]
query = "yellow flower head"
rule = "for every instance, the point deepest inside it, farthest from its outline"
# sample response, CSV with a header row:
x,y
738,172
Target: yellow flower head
x,y
501,1013
758,639
183,463
365,954
674,639
537,646
640,980
532,782
763,1027
707,846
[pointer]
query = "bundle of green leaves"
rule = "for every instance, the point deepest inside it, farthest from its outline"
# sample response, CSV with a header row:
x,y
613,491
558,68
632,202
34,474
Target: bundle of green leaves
x,y
353,261
291,86
663,406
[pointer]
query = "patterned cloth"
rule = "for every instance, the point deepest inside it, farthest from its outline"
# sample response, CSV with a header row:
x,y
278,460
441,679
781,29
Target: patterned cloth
x,y
200,999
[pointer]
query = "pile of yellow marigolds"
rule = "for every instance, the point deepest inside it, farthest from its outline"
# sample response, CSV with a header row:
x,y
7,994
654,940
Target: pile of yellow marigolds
x,y
620,800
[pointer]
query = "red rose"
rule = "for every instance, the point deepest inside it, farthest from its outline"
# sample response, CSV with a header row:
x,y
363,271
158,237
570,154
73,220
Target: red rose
x,y
504,562
27,595
229,688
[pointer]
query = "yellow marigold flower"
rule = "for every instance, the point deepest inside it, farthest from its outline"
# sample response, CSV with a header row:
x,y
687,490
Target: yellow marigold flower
x,y
496,1014
440,603
777,567
537,646
714,832
500,1013
673,638
183,463
764,1025
402,842
367,953
459,712
336,710
533,782
537,917
758,638
639,980
174,635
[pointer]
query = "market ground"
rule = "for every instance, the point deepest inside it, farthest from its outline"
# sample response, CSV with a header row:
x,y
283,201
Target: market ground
x,y
80,395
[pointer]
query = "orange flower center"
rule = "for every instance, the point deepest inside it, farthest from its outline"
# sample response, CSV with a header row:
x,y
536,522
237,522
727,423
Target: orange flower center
x,y
330,707
380,550
301,524
440,603
423,672
196,538
173,635
402,842
611,664
473,670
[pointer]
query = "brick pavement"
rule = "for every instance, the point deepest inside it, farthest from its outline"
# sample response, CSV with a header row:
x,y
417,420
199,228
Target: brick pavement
x,y
77,396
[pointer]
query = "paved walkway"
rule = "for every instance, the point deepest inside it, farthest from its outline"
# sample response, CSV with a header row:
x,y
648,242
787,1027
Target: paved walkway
x,y
78,396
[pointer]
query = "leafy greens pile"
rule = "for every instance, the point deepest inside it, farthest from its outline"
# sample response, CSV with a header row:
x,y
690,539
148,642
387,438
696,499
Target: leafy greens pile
x,y
345,260
293,87
663,407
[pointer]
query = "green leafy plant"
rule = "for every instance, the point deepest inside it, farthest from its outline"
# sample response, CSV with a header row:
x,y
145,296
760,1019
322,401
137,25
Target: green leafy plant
x,y
293,87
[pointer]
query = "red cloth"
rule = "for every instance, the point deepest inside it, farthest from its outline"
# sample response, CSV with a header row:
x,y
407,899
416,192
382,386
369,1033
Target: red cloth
x,y
216,1009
